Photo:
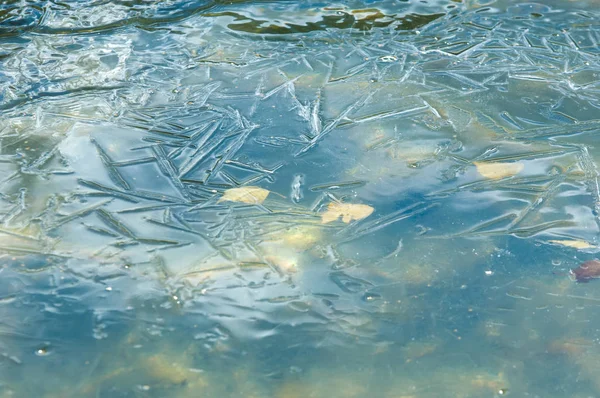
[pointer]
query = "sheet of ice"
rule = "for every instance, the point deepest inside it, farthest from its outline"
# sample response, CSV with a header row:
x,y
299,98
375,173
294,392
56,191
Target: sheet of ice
x,y
459,137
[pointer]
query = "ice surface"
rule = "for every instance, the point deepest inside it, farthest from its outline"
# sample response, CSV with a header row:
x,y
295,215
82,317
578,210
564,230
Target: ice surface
x,y
469,128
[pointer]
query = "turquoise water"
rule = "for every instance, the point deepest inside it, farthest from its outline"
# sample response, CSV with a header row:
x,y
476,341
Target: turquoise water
x,y
299,199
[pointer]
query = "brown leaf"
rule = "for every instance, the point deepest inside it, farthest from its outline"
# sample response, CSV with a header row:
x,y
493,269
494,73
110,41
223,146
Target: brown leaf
x,y
496,171
250,195
587,271
347,211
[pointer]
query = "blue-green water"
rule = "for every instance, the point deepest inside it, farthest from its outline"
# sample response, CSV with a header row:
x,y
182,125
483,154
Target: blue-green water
x,y
299,199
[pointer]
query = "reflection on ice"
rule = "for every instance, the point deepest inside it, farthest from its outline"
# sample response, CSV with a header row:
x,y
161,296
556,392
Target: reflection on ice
x,y
279,199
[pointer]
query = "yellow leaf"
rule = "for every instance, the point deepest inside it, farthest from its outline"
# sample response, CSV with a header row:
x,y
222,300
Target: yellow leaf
x,y
577,244
251,195
302,237
297,237
347,211
496,171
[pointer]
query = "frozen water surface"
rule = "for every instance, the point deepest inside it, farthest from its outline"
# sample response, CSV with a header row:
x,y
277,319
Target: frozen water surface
x,y
299,199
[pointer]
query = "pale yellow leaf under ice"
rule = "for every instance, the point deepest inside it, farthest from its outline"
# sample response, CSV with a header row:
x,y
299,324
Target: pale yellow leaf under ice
x,y
251,195
496,171
298,237
577,244
347,211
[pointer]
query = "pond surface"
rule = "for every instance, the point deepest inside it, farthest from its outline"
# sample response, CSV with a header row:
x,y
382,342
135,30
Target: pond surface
x,y
299,199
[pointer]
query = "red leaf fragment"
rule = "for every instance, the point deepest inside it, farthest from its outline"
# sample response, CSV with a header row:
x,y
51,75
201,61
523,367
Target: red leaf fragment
x,y
586,271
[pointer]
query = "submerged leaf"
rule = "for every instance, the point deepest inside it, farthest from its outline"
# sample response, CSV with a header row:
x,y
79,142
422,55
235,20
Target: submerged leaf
x,y
298,237
587,271
286,262
497,171
577,244
347,211
251,195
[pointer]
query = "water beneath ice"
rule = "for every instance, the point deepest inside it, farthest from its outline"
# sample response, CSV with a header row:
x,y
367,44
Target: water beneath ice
x,y
299,199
